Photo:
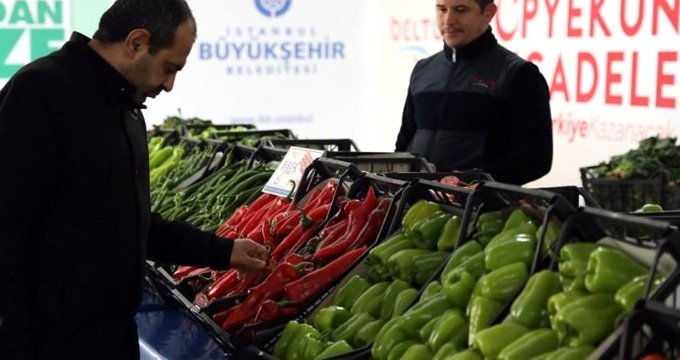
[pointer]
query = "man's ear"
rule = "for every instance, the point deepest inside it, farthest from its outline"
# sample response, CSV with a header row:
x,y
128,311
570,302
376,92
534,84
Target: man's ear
x,y
137,42
490,12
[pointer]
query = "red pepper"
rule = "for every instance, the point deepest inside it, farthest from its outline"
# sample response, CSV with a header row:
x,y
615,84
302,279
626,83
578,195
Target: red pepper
x,y
261,201
333,223
285,222
223,285
384,203
322,198
271,287
221,316
272,310
315,215
183,271
370,231
198,271
330,237
256,234
237,215
293,241
357,219
254,220
369,200
249,280
303,289
294,259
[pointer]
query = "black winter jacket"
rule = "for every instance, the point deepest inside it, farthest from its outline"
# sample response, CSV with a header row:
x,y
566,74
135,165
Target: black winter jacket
x,y
487,109
75,224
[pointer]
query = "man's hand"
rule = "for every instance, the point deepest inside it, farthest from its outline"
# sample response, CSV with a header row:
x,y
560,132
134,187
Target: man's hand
x,y
248,255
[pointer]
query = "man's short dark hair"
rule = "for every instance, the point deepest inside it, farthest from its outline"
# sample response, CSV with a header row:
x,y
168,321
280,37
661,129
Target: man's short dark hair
x,y
160,17
483,4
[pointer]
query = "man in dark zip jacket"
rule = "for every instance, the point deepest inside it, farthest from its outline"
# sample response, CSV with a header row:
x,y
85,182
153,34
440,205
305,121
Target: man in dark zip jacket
x,y
475,104
75,221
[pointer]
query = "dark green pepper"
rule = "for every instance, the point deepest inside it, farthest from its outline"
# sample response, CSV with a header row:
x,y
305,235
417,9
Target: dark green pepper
x,y
418,211
371,300
425,233
610,269
335,349
573,264
466,355
446,351
417,352
501,284
481,312
426,266
491,341
329,318
448,238
628,295
379,255
390,298
458,288
519,248
588,320
388,337
351,327
349,292
311,346
571,353
423,312
552,232
401,264
489,225
288,334
531,344
531,306
560,300
459,256
367,333
294,350
398,350
404,300
517,217
431,289
451,328
426,330
473,265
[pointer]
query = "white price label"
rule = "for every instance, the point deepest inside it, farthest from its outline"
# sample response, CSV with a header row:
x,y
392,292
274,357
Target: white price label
x,y
290,170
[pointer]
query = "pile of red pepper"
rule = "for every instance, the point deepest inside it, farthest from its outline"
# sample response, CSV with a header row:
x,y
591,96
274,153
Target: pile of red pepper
x,y
300,272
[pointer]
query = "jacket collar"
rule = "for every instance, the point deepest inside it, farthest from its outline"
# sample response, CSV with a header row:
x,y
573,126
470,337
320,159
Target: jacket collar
x,y
476,48
113,82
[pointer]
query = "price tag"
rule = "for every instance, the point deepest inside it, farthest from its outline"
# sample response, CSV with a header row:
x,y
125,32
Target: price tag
x,y
291,168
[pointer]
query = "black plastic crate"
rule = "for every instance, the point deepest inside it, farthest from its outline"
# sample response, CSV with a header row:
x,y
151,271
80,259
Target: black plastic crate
x,y
377,162
631,194
257,136
336,145
651,329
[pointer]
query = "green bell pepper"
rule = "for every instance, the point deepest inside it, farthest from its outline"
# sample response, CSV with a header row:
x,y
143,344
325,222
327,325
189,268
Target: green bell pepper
x,y
311,346
448,238
573,264
426,265
367,333
473,265
351,327
294,350
571,353
418,211
586,321
502,283
610,269
288,334
447,350
425,331
390,298
489,225
417,352
451,328
329,318
552,232
423,312
371,300
401,265
335,349
431,289
518,248
404,300
531,344
398,350
466,355
425,233
560,300
531,306
388,337
628,295
349,292
492,340
379,255
459,256
458,288
517,217
481,312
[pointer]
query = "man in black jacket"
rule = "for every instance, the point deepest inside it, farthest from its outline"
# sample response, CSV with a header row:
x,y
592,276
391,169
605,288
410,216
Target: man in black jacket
x,y
75,221
475,104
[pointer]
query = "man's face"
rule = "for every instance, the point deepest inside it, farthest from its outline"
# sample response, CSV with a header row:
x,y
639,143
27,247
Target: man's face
x,y
151,74
462,21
